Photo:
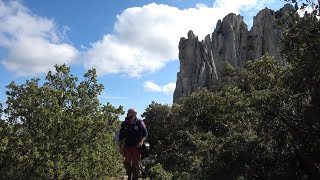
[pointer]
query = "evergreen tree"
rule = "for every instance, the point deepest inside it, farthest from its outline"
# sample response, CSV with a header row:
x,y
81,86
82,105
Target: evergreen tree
x,y
59,130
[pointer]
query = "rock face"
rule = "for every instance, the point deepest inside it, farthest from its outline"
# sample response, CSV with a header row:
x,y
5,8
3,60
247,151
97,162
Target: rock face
x,y
201,61
229,41
264,36
197,68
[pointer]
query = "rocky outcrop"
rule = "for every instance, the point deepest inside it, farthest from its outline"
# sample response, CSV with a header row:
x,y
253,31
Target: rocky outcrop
x,y
197,68
229,41
264,36
201,61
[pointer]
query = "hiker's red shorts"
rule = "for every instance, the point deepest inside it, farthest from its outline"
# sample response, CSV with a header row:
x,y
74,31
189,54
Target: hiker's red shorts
x,y
132,153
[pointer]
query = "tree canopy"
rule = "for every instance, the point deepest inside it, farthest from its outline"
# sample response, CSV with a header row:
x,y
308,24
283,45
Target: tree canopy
x,y
260,122
58,130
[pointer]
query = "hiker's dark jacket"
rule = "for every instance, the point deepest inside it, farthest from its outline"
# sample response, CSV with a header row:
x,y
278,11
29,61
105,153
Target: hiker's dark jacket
x,y
132,133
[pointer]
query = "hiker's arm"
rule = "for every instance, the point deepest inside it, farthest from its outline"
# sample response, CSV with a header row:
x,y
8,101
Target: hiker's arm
x,y
144,134
121,138
142,140
121,144
121,147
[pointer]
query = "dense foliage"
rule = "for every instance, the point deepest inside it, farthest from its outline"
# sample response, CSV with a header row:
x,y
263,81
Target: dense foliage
x,y
58,130
261,122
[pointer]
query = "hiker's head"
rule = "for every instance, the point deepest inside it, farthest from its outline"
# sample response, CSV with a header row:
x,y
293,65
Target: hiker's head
x,y
131,113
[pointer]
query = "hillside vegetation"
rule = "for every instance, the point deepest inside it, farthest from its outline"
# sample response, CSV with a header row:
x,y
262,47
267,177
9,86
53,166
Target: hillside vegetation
x,y
259,122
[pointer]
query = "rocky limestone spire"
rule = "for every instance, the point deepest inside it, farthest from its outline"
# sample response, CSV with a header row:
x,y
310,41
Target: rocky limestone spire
x,y
201,61
264,36
229,41
197,68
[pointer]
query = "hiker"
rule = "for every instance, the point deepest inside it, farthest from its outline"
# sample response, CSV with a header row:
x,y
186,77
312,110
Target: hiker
x,y
132,135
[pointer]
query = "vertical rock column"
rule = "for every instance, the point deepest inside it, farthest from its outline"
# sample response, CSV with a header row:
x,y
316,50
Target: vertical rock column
x,y
201,62
197,67
229,41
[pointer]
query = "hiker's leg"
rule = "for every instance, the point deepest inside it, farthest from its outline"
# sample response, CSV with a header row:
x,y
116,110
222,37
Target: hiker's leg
x,y
129,171
127,161
135,175
136,158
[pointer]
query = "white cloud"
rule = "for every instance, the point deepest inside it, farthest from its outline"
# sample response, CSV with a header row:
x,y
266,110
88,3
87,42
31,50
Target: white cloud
x,y
104,95
146,38
33,43
169,88
308,9
113,97
150,86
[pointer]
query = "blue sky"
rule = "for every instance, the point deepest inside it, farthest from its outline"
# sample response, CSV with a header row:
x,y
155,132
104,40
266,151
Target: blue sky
x,y
133,44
